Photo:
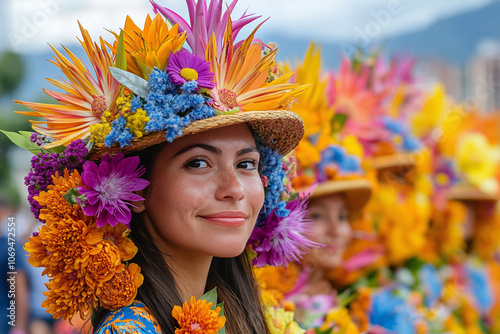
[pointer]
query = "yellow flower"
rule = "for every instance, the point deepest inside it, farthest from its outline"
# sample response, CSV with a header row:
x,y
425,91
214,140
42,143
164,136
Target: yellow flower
x,y
151,46
280,321
431,114
197,317
340,321
313,106
478,161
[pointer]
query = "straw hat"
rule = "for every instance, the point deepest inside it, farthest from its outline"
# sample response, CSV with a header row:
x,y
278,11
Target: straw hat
x,y
470,194
357,192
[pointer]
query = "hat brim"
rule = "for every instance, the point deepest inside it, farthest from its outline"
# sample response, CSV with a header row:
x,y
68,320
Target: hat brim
x,y
468,193
357,192
278,129
394,161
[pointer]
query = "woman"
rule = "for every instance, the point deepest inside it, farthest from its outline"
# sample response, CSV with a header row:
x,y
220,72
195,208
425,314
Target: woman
x,y
184,167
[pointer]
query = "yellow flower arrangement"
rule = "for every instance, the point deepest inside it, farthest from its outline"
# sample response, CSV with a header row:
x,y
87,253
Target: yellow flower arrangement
x,y
280,321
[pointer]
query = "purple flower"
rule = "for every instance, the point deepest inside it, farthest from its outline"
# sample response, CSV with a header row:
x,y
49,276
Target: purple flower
x,y
44,165
184,66
111,184
280,240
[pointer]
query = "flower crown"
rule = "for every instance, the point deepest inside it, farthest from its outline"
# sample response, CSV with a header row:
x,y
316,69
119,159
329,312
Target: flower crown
x,y
146,89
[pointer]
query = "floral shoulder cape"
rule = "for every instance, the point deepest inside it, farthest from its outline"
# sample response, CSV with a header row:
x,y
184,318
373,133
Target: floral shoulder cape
x,y
135,318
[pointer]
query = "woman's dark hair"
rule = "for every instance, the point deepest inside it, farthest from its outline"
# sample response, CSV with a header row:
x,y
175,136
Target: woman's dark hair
x,y
233,277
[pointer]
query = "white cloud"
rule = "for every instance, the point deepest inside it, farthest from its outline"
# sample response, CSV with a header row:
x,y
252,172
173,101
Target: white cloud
x,y
31,24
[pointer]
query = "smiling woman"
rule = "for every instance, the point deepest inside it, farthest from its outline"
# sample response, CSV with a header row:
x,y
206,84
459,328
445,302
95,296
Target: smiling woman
x,y
161,183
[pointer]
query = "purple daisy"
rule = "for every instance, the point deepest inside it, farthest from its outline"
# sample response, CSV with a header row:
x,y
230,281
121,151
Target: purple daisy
x,y
281,240
111,186
184,66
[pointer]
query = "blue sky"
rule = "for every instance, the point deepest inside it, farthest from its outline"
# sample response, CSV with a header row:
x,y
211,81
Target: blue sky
x,y
29,25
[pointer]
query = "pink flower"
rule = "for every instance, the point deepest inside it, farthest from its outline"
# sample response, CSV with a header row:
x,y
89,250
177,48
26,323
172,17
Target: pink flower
x,y
110,186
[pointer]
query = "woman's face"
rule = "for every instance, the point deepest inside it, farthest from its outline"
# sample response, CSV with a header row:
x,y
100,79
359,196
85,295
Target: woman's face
x,y
331,228
205,193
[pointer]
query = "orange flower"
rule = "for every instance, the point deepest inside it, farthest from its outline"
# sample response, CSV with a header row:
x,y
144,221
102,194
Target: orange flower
x,y
67,295
85,99
121,289
118,235
54,205
279,278
197,317
65,246
150,47
241,76
359,309
102,266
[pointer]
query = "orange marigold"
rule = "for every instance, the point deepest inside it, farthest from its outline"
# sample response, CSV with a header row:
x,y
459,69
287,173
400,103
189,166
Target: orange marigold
x,y
197,317
102,266
54,205
121,289
67,295
63,246
118,235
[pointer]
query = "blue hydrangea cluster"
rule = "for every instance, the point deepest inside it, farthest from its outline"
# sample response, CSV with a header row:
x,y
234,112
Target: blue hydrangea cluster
x,y
272,169
44,165
337,156
170,108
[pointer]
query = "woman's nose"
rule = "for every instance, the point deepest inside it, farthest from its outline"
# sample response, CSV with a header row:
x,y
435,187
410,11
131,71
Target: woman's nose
x,y
229,186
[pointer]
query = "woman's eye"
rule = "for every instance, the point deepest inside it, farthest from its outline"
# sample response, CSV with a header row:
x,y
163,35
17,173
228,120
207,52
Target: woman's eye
x,y
344,217
196,163
316,216
248,164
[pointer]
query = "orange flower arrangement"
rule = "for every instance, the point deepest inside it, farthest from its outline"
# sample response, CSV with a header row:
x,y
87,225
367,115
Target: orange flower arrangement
x,y
198,317
84,263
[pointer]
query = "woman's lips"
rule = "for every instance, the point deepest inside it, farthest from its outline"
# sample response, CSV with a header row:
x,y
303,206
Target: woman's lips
x,y
227,218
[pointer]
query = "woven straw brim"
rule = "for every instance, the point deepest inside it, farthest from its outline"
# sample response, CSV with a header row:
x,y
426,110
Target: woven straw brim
x,y
467,193
278,129
357,192
394,161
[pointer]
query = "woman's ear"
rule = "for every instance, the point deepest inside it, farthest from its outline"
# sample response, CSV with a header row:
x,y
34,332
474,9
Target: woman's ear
x,y
138,206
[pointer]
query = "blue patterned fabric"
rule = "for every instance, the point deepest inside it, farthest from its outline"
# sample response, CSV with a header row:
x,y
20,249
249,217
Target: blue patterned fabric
x,y
135,318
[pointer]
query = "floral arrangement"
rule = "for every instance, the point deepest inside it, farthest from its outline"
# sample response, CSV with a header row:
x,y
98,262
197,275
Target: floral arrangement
x,y
200,316
143,88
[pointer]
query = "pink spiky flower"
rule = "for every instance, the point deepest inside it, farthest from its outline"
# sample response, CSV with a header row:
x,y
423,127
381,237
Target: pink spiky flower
x,y
204,21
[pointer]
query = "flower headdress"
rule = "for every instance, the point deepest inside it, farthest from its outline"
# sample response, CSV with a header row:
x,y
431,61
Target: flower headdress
x,y
324,160
371,97
146,89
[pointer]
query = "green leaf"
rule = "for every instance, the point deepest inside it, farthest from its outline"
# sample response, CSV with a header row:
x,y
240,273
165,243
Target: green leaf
x,y
338,122
21,141
211,297
136,84
121,58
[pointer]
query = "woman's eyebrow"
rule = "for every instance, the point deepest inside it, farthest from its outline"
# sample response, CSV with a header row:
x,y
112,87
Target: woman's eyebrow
x,y
247,150
209,148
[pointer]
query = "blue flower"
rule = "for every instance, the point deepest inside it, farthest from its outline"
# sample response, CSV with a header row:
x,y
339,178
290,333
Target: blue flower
x,y
480,287
119,133
430,283
272,169
391,312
